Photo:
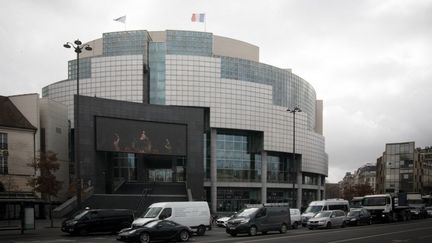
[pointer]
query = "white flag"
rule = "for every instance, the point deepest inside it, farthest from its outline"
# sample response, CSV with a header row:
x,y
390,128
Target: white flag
x,y
121,19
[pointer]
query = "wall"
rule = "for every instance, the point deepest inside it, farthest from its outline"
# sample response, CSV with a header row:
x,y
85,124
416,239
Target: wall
x,y
55,125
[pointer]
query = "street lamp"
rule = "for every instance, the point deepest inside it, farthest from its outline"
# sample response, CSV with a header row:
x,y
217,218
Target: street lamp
x,y
78,47
294,111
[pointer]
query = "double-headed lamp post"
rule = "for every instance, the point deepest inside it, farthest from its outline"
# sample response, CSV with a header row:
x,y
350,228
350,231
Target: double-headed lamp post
x,y
78,47
294,111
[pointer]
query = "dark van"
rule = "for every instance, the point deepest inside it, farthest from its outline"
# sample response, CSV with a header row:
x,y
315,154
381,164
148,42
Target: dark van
x,y
98,220
259,218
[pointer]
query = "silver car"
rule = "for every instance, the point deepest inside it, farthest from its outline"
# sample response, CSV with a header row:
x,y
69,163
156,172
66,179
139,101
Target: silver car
x,y
327,219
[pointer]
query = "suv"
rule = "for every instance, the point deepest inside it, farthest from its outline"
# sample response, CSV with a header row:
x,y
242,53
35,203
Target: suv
x,y
256,219
327,219
98,220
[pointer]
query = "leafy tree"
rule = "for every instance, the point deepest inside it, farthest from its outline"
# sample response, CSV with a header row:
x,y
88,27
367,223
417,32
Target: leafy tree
x,y
46,183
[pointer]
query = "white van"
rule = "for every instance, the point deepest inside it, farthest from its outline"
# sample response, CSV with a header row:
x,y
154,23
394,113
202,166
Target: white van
x,y
295,217
196,215
318,206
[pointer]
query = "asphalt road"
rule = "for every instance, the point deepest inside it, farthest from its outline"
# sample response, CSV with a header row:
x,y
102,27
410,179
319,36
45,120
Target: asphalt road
x,y
416,231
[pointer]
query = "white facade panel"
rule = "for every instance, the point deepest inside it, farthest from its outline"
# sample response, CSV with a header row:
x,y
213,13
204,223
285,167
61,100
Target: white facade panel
x,y
237,104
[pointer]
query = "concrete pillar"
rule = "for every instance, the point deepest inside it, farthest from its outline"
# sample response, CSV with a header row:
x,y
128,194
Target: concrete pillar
x,y
263,176
319,188
213,170
299,189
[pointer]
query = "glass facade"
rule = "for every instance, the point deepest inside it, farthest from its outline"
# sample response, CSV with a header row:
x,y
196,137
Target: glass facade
x,y
281,169
85,68
189,43
235,162
126,43
282,81
399,167
234,199
282,196
124,167
157,54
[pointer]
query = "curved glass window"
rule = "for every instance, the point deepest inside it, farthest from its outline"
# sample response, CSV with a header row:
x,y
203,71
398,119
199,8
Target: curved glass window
x,y
234,161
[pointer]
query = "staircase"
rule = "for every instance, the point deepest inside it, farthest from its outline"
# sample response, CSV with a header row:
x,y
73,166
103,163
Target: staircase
x,y
138,196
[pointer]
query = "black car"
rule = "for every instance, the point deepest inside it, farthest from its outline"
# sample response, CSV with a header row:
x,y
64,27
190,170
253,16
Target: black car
x,y
359,216
98,220
155,230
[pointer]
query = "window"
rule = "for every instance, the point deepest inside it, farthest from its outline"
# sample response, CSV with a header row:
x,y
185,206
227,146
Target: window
x,y
338,207
4,154
166,213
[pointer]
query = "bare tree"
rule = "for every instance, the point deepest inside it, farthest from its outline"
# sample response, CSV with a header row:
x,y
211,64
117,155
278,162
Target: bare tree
x,y
46,183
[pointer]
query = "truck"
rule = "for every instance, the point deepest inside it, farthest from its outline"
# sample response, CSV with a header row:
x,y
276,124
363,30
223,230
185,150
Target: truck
x,y
417,206
387,207
356,202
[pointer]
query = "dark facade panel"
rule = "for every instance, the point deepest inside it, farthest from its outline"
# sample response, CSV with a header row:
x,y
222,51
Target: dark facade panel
x,y
94,168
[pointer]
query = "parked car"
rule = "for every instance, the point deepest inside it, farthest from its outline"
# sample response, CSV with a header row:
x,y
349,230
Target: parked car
x,y
98,220
327,219
263,219
155,230
195,215
429,211
418,211
295,217
359,216
318,206
221,222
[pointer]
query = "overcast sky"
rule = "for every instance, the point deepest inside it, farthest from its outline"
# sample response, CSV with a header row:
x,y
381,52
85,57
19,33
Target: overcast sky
x,y
370,61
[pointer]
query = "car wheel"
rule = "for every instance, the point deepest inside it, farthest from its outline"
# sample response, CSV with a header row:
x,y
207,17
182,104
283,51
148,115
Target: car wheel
x,y
233,234
343,224
283,229
252,230
295,225
144,237
184,235
201,230
311,228
83,232
328,225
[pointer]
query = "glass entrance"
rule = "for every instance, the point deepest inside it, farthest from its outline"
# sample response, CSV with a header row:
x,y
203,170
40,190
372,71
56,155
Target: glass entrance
x,y
160,175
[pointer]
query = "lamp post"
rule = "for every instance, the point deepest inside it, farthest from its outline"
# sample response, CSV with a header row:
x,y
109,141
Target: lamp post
x,y
78,48
294,111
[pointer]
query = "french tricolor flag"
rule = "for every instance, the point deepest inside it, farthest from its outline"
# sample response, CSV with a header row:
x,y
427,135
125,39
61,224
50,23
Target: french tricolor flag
x,y
198,17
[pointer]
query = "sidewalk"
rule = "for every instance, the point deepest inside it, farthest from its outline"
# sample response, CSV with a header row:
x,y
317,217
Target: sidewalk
x,y
42,226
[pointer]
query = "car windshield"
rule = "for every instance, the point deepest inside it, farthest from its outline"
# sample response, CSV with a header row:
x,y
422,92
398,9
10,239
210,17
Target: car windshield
x,y
374,201
152,212
80,215
353,213
313,209
245,213
323,215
